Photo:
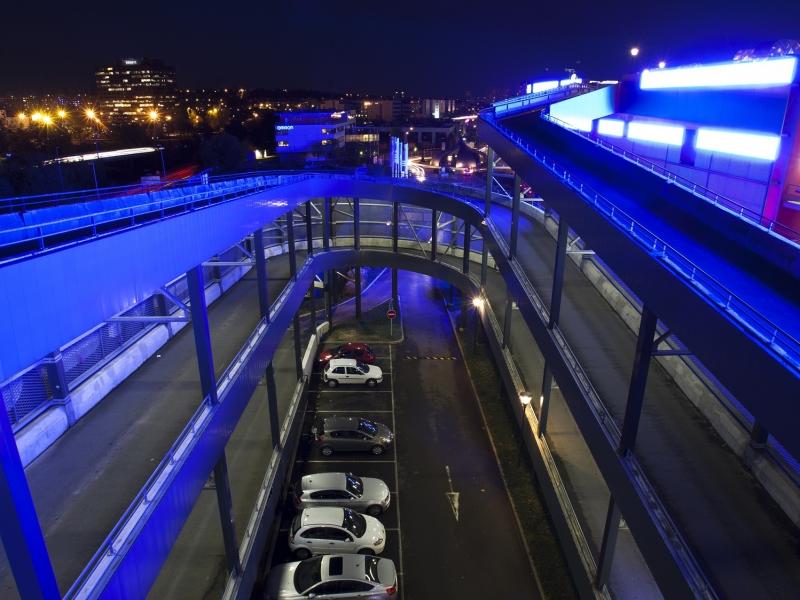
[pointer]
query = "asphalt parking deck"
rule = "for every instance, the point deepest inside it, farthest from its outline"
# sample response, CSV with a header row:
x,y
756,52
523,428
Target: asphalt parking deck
x,y
451,530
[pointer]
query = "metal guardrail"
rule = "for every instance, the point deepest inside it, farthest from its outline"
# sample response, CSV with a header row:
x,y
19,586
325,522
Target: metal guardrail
x,y
716,199
527,101
781,342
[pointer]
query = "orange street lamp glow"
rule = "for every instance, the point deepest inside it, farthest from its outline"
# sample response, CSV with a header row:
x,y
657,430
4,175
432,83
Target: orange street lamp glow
x,y
47,119
37,116
153,115
90,114
62,114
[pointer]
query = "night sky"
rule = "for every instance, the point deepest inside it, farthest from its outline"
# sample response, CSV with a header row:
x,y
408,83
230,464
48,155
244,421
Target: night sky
x,y
426,48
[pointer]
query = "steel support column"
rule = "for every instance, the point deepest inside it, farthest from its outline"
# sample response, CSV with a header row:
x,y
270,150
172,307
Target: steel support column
x,y
261,273
467,243
19,526
555,314
395,295
608,545
507,323
487,209
208,385
357,246
327,226
641,366
272,406
298,358
291,248
309,230
434,231
515,213
395,225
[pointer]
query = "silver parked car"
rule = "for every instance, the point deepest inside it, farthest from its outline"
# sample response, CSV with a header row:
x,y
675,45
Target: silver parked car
x,y
363,494
334,434
346,576
329,530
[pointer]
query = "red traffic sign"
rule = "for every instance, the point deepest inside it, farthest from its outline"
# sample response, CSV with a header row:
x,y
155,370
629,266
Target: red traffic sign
x,y
391,314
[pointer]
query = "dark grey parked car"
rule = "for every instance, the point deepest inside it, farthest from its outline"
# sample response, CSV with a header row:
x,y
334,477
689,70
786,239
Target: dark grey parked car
x,y
352,434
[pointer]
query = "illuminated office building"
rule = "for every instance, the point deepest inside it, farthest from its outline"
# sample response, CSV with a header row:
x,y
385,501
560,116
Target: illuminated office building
x,y
130,90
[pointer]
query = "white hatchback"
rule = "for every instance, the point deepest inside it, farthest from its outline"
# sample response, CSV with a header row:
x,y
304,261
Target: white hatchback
x,y
349,370
332,530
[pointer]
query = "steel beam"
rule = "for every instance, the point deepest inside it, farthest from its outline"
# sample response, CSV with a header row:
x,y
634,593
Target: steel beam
x,y
291,249
261,273
356,224
395,225
327,224
309,230
489,176
467,243
608,545
395,295
19,526
298,351
272,406
641,366
515,215
507,323
208,385
434,232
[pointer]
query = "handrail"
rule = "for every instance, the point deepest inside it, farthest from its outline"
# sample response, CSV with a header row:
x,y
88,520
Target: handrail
x,y
780,341
731,206
536,99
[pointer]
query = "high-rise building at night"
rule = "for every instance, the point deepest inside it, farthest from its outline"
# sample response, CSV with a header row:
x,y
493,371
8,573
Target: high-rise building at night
x,y
132,88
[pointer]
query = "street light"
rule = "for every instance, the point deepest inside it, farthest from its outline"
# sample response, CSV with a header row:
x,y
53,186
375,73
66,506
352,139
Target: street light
x,y
524,399
62,114
478,302
153,116
635,51
662,64
92,116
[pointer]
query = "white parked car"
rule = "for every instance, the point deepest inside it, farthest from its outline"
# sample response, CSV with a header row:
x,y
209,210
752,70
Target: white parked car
x,y
349,370
362,494
335,531
342,577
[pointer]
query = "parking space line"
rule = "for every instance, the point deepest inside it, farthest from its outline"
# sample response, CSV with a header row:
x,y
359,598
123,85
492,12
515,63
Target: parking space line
x,y
352,391
396,478
343,412
347,461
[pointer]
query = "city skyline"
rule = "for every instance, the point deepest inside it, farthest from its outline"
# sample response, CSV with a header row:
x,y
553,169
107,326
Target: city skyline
x,y
376,48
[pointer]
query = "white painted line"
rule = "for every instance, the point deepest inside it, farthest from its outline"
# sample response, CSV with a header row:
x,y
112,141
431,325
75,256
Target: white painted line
x,y
496,457
347,461
351,391
347,412
396,472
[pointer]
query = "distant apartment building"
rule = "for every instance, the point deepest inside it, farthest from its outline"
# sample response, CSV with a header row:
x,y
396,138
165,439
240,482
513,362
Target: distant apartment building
x,y
311,135
132,88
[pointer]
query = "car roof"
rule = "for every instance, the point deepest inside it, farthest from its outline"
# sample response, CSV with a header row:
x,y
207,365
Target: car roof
x,y
353,566
323,481
324,515
343,362
334,423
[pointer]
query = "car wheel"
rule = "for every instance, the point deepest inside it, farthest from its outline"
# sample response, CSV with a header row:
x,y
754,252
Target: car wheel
x,y
302,553
374,510
367,551
378,450
332,383
370,383
326,451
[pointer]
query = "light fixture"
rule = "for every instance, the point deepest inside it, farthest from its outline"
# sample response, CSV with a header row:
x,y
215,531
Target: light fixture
x,y
635,51
525,399
611,127
662,64
478,302
771,72
671,135
750,145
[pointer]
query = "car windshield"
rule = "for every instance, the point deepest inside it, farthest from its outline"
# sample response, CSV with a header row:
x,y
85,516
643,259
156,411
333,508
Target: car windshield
x,y
354,484
367,427
296,524
362,367
371,568
354,522
308,573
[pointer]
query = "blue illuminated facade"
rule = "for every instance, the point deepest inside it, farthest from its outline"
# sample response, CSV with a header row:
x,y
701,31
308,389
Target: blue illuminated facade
x,y
313,135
